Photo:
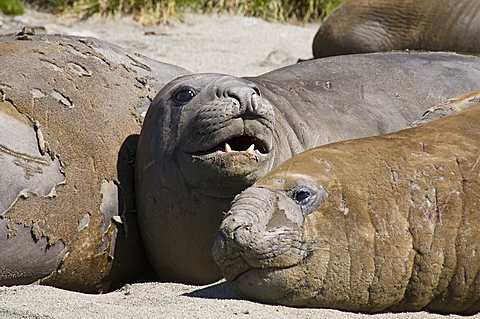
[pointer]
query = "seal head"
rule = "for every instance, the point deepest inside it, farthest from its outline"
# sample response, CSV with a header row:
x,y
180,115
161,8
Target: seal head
x,y
219,131
207,136
266,234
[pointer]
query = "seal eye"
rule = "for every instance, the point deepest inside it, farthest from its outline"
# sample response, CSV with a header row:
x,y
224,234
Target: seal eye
x,y
308,196
301,196
184,95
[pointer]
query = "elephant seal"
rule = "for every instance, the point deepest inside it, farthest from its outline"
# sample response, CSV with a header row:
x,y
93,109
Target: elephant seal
x,y
385,223
71,110
206,137
360,26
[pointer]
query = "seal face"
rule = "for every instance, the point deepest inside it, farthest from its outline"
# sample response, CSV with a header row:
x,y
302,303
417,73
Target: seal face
x,y
222,129
266,234
276,239
364,225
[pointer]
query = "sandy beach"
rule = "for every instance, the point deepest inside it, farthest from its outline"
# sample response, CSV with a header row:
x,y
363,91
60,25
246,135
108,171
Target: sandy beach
x,y
225,44
161,300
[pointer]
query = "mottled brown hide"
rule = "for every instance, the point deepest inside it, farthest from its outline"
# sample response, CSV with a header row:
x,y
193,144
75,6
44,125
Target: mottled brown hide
x,y
67,105
361,26
391,223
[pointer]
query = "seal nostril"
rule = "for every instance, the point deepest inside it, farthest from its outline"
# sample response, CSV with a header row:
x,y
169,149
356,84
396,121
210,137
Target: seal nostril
x,y
254,101
257,91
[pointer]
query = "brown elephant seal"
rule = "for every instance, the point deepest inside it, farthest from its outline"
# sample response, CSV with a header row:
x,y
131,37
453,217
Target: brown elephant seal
x,y
206,137
71,109
377,224
360,26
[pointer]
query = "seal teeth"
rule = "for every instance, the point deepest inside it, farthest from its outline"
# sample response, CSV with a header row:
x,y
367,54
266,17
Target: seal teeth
x,y
228,149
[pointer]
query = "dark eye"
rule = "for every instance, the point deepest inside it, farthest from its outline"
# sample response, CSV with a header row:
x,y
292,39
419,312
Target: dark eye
x,y
184,95
308,195
301,196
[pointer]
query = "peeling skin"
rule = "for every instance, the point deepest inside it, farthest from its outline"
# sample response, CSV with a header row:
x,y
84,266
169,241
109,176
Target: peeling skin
x,y
79,70
36,93
109,243
41,140
112,212
452,106
29,169
26,257
65,100
138,64
66,107
83,222
109,206
52,66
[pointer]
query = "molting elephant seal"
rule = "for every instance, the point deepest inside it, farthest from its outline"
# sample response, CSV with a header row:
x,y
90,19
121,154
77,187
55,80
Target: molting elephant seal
x,y
70,113
206,137
377,224
361,26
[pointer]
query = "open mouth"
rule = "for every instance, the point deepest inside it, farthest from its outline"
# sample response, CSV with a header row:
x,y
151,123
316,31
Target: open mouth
x,y
244,143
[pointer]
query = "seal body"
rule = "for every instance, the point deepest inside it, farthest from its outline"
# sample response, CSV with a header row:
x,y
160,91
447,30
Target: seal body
x,y
206,137
70,113
360,26
377,224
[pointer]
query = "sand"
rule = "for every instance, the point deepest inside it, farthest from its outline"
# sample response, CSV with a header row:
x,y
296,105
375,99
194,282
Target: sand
x,y
225,44
160,300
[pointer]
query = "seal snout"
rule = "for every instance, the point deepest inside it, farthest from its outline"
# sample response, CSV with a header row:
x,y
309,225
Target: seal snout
x,y
232,240
248,97
247,218
236,121
248,240
239,230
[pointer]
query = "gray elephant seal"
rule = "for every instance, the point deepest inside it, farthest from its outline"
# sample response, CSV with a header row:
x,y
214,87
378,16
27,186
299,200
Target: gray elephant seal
x,y
206,137
360,26
70,113
377,224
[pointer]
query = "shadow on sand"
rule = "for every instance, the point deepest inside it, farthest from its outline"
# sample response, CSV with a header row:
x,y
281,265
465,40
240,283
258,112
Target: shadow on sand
x,y
220,290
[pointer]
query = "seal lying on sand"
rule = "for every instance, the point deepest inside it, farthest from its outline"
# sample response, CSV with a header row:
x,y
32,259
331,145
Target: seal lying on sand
x,y
68,105
375,224
206,137
360,26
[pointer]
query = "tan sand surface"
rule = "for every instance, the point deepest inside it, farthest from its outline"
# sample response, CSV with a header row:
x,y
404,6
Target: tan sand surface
x,y
226,44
